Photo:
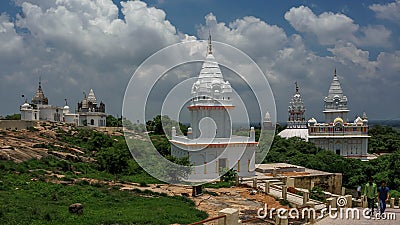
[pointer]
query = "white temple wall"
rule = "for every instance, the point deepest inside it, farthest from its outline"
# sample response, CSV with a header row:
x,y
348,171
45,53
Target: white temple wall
x,y
208,156
221,118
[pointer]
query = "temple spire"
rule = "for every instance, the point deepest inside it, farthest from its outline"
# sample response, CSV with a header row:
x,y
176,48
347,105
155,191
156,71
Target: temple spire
x,y
40,82
334,73
297,87
209,43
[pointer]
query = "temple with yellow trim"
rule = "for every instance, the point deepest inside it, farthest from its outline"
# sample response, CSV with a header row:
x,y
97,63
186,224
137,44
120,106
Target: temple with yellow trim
x,y
348,139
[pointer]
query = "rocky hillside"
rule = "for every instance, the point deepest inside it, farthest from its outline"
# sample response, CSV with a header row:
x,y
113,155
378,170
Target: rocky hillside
x,y
37,142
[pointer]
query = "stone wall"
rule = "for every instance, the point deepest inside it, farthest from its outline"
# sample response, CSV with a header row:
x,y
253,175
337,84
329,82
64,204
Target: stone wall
x,y
329,182
16,124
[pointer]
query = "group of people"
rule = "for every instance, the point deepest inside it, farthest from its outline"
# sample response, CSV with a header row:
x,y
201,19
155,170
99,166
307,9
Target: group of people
x,y
372,192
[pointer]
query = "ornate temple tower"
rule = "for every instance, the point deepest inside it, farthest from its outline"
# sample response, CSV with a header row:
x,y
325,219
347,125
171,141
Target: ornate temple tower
x,y
335,104
296,124
39,98
209,144
296,111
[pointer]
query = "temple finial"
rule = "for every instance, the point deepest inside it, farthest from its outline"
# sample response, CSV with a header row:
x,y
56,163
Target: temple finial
x,y
209,43
297,87
66,102
26,100
334,74
40,81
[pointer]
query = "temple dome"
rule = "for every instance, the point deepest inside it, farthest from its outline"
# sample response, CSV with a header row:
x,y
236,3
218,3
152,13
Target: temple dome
x,y
312,120
338,120
25,105
358,120
66,109
289,133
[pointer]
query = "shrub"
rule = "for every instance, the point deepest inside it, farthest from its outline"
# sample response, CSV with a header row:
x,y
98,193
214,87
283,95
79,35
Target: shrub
x,y
317,193
143,184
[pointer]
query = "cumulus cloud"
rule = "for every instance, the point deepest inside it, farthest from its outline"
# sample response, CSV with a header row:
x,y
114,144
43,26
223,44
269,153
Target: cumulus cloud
x,y
248,33
286,59
11,47
329,28
77,45
389,11
375,35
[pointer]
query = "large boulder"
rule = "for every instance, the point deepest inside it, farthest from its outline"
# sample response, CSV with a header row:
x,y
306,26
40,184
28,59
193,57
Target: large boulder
x,y
76,208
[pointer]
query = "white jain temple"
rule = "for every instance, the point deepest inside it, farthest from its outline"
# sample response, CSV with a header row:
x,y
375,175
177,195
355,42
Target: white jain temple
x,y
346,138
209,144
87,113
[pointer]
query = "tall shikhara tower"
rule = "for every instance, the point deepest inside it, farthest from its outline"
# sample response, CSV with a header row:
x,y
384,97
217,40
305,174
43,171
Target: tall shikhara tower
x,y
296,124
338,134
209,144
211,98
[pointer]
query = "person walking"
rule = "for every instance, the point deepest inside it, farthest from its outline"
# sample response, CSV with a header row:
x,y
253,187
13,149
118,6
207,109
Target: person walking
x,y
370,190
383,196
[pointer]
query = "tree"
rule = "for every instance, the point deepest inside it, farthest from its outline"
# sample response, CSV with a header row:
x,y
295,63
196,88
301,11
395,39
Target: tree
x,y
13,117
159,124
111,121
114,159
383,139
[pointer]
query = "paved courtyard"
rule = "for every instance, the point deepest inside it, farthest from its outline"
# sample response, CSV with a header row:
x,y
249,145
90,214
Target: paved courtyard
x,y
362,220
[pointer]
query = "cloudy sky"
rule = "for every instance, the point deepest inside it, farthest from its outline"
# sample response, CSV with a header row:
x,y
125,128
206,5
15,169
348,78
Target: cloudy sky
x,y
75,45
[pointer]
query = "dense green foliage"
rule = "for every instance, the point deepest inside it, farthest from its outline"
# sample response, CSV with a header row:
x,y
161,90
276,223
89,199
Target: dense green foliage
x,y
383,139
133,126
111,121
318,194
13,117
112,155
161,143
163,124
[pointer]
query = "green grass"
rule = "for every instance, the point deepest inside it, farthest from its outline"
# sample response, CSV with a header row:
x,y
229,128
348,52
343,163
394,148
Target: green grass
x,y
88,170
24,201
